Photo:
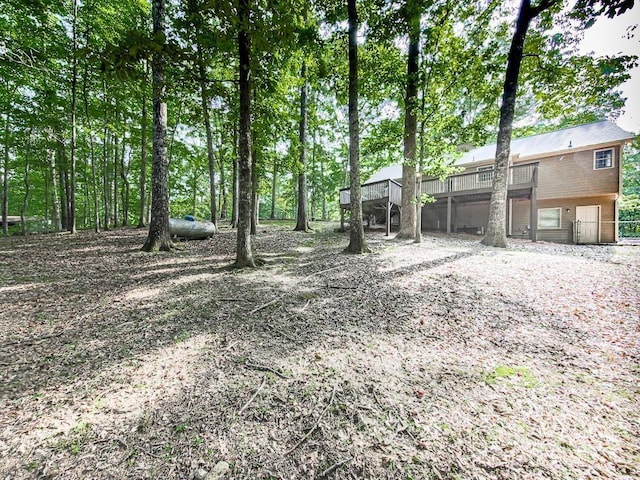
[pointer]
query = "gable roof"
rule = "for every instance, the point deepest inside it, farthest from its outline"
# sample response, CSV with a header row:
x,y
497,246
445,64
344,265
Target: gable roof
x,y
392,172
578,137
582,136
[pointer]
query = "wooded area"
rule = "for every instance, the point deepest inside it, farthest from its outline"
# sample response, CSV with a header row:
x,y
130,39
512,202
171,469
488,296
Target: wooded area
x,y
79,78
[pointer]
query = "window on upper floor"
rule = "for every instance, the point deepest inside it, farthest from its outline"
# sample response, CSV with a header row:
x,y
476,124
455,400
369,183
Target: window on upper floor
x,y
485,174
603,159
550,218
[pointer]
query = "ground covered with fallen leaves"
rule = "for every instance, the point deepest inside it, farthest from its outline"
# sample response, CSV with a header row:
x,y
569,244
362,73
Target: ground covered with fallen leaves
x,y
439,360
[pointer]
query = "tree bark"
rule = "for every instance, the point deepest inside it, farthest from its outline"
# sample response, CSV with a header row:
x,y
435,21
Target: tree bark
x,y
204,99
496,235
244,255
143,154
92,150
55,214
158,237
274,184
74,84
302,220
408,216
235,191
5,179
255,196
25,199
357,241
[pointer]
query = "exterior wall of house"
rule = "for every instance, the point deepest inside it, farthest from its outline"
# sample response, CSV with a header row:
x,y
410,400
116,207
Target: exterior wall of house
x,y
434,218
572,175
520,217
568,208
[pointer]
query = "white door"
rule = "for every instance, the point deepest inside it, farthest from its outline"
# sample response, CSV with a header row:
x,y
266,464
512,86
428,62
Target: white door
x,y
588,224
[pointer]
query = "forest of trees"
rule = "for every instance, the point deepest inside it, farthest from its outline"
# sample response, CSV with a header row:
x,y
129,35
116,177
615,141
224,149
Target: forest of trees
x,y
77,98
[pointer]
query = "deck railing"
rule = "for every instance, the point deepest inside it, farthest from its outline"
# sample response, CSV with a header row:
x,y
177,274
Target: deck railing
x,y
518,175
375,191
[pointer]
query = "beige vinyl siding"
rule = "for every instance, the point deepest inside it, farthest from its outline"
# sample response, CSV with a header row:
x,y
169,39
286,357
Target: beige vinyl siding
x,y
565,234
573,175
520,218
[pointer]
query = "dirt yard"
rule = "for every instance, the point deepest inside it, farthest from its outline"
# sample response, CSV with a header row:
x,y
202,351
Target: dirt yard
x,y
444,360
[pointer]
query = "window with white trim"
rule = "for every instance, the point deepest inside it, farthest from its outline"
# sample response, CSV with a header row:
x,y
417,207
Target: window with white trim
x,y
485,174
550,218
603,159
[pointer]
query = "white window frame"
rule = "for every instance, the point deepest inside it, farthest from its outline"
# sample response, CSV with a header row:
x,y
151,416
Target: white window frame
x,y
558,227
482,174
595,158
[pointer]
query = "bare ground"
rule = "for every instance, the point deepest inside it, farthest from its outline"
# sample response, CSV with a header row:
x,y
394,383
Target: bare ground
x,y
444,360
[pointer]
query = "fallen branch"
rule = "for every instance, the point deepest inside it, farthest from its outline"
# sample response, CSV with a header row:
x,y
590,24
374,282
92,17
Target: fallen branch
x,y
264,368
333,468
285,335
339,287
253,397
313,429
263,306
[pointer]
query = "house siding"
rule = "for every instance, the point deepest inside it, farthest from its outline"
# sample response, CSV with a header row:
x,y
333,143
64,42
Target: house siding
x,y
568,206
572,175
520,218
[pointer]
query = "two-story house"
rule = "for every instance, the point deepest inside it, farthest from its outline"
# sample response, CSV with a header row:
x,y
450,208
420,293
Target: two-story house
x,y
563,186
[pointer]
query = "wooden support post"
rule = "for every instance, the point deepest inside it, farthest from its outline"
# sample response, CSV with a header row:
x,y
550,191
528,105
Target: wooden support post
x,y
449,214
533,217
389,219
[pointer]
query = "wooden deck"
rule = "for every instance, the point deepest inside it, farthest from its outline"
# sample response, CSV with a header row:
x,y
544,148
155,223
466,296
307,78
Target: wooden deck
x,y
473,183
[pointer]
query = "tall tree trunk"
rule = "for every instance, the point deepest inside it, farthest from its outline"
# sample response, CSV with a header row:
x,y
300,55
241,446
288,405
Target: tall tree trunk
x,y
25,199
496,235
302,223
408,216
5,179
158,237
244,254
116,161
74,85
124,188
204,100
64,186
236,180
255,197
106,209
55,214
92,150
357,241
274,183
223,186
143,153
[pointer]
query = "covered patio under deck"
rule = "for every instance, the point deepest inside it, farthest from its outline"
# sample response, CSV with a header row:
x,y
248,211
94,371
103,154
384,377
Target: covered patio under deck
x,y
466,192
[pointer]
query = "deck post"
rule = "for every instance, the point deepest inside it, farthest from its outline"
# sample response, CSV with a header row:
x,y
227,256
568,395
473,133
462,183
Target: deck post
x,y
533,217
533,214
389,219
448,214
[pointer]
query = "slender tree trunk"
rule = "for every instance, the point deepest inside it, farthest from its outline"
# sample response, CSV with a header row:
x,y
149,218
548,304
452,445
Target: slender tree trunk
x,y
357,242
496,235
143,153
25,199
274,183
408,216
204,101
244,254
74,85
5,179
302,223
158,237
64,186
236,180
124,189
106,209
92,150
55,214
255,197
223,186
